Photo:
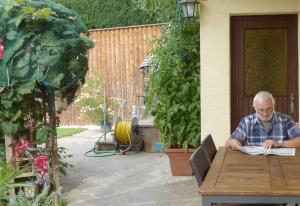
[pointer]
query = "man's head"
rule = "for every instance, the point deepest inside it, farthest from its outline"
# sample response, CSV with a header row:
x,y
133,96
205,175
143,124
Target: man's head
x,y
264,105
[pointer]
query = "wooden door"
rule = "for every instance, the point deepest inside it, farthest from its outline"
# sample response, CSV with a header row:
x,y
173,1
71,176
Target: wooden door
x,y
264,56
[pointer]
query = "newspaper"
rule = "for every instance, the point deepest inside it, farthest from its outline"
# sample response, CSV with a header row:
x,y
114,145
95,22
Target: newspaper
x,y
256,150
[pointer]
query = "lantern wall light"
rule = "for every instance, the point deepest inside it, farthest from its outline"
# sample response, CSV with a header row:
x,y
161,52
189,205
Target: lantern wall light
x,y
189,8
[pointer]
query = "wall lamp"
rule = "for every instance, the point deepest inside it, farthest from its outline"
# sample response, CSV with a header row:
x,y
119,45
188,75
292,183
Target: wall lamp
x,y
189,8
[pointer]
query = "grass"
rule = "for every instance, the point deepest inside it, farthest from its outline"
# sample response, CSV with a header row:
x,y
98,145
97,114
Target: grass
x,y
64,132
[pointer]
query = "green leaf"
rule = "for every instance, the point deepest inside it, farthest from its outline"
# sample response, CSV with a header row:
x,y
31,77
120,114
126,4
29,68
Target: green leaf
x,y
43,133
11,35
22,72
17,20
28,9
43,13
23,61
16,116
25,88
9,128
6,103
58,78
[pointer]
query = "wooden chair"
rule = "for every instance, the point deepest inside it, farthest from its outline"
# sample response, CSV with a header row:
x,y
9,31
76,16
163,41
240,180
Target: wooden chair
x,y
200,164
210,147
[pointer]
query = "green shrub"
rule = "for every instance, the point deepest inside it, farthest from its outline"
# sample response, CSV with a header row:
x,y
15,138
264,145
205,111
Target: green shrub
x,y
173,91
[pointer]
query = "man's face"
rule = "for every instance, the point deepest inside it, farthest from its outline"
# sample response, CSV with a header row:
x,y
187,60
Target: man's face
x,y
264,109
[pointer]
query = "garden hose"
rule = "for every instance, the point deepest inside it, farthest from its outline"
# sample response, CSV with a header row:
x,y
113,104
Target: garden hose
x,y
126,133
99,153
123,132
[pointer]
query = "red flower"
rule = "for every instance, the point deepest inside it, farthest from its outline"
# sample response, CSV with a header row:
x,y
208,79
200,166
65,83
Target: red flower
x,y
41,163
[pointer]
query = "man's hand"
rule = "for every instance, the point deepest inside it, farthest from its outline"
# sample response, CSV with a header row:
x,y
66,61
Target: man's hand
x,y
268,144
233,144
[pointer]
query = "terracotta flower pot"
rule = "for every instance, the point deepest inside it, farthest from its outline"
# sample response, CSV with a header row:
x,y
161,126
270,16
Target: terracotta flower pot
x,y
179,162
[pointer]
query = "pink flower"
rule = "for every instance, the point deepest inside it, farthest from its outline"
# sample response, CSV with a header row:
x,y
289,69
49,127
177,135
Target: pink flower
x,y
26,143
18,150
1,49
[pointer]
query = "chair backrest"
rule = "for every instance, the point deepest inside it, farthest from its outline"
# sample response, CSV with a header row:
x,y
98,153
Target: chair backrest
x,y
210,147
200,164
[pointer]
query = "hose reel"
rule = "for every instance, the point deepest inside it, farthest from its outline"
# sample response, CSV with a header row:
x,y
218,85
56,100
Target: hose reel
x,y
127,137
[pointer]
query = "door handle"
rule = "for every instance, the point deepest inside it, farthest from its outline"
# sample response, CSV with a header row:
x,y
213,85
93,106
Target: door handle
x,y
292,101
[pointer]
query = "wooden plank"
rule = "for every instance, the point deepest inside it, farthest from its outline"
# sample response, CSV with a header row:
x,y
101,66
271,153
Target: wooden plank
x,y
26,174
8,148
277,178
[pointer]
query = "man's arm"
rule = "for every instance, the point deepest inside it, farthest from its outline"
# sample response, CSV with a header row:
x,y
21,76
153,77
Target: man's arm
x,y
233,144
295,142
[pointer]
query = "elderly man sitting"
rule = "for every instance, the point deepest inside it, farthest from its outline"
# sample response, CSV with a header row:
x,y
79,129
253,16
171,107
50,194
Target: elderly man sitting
x,y
266,127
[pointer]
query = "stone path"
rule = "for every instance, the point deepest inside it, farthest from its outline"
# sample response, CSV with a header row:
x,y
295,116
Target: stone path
x,y
142,179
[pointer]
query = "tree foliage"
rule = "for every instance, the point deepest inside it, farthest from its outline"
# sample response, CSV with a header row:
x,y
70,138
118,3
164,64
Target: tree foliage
x,y
44,51
116,13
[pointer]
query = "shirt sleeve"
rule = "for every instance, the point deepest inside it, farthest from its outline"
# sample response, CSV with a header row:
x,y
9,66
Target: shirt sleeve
x,y
240,132
292,129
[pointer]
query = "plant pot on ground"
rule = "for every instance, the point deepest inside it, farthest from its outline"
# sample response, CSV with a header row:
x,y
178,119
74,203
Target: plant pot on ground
x,y
106,126
173,89
179,161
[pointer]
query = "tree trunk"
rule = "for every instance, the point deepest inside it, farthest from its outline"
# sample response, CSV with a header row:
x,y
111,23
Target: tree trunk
x,y
54,150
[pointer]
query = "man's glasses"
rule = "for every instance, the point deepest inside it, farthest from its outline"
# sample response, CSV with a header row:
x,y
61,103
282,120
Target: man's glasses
x,y
262,111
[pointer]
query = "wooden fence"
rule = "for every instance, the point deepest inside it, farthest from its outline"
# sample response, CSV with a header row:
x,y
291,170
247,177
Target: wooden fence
x,y
117,54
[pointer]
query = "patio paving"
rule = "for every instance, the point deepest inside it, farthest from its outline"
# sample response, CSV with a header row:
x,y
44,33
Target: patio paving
x,y
141,179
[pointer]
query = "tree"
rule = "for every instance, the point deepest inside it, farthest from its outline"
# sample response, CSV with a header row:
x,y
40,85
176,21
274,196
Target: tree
x,y
44,62
116,13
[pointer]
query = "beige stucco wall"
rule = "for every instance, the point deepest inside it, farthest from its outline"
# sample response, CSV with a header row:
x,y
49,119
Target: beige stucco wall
x,y
215,57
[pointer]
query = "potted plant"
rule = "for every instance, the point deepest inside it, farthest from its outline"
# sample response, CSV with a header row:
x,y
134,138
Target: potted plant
x,y
173,90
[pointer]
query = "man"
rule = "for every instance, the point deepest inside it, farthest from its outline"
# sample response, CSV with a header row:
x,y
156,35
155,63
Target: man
x,y
266,127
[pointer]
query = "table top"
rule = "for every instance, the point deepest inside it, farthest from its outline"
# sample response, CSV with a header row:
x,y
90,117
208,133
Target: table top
x,y
237,173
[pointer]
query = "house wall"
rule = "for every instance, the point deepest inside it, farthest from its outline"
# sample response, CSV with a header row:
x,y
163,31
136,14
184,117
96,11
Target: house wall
x,y
215,57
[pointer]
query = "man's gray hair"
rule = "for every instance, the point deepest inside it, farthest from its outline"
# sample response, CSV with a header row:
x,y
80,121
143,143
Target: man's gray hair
x,y
262,96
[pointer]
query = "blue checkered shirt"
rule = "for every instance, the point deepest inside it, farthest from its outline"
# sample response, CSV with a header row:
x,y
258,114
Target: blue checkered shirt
x,y
251,131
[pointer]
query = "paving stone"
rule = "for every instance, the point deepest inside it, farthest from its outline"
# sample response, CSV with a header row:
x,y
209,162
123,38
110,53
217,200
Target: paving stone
x,y
141,179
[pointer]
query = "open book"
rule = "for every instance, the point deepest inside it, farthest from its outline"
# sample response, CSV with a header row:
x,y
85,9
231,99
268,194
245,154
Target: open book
x,y
256,150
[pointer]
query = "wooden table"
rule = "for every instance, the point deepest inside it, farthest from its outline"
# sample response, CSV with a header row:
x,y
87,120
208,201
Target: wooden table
x,y
236,177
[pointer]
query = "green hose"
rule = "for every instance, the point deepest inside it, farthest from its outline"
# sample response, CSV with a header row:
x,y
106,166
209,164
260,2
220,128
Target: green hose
x,y
99,153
